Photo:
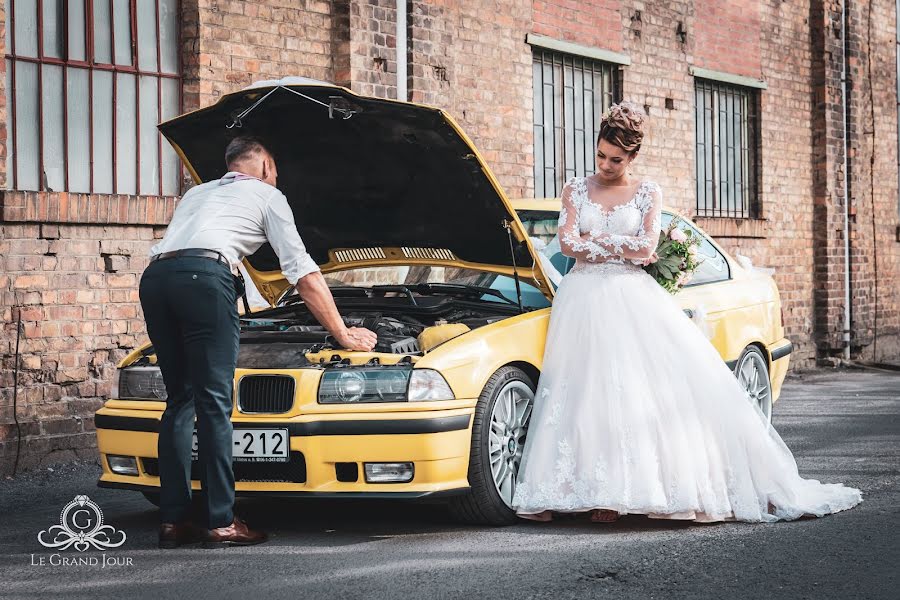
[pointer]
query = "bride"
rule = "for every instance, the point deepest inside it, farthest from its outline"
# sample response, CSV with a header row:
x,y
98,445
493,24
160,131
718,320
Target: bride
x,y
636,413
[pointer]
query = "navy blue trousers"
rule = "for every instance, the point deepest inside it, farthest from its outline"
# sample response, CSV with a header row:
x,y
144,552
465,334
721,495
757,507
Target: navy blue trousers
x,y
190,305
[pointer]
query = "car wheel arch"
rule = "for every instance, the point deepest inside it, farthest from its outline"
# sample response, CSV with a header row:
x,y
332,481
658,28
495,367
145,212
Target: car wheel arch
x,y
531,370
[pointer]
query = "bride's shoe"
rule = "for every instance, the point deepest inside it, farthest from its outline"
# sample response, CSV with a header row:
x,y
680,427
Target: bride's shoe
x,y
602,515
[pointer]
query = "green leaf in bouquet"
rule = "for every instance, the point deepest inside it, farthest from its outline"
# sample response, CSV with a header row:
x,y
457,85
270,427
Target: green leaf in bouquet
x,y
670,262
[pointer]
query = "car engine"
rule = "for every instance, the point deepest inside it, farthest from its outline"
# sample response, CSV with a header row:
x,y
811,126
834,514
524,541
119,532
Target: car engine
x,y
264,338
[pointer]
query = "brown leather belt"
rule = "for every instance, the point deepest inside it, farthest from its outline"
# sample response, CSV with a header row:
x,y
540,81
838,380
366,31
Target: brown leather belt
x,y
193,253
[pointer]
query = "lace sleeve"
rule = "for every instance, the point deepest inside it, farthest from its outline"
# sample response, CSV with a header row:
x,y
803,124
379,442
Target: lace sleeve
x,y
597,246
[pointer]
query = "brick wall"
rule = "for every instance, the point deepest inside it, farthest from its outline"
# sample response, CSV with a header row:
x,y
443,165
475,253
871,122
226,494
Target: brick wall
x,y
471,59
873,186
236,43
728,34
596,23
74,287
69,263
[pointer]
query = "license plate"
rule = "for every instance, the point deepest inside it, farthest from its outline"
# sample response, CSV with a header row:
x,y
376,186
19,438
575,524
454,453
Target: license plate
x,y
256,445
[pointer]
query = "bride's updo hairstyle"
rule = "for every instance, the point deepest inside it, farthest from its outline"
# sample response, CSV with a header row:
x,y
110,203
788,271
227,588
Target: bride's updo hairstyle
x,y
623,125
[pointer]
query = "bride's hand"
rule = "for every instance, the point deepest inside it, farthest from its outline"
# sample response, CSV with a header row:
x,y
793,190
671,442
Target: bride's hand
x,y
652,259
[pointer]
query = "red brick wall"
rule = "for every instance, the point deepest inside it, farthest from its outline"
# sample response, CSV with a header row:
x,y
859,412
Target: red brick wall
x,y
231,44
873,185
373,48
595,23
471,59
69,263
75,288
727,33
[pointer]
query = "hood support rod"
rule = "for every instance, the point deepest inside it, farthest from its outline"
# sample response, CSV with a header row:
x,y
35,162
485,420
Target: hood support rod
x,y
344,112
512,255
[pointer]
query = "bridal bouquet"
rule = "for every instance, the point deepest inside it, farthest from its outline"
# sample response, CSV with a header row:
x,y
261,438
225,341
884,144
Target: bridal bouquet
x,y
675,260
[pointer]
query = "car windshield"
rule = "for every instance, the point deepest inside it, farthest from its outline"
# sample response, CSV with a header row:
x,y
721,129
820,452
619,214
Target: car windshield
x,y
486,286
541,227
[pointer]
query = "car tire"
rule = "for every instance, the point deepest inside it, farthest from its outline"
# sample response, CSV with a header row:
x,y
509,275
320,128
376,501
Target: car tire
x,y
507,399
752,372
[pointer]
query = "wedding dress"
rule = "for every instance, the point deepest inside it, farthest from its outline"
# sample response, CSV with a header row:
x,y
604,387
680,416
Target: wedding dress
x,y
635,411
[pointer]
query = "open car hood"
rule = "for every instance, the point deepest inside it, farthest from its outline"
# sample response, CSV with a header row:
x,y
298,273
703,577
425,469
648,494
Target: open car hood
x,y
370,181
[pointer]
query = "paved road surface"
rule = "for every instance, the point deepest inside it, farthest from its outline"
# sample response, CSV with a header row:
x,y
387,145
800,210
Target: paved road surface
x,y
842,426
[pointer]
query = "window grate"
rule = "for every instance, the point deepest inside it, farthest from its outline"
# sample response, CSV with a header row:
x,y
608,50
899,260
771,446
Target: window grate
x,y
570,94
87,83
726,150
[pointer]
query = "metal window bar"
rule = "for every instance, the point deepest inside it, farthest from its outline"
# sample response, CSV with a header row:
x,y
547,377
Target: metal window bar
x,y
90,65
565,129
726,134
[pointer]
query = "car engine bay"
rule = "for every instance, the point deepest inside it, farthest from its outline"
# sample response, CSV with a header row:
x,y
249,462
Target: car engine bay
x,y
272,337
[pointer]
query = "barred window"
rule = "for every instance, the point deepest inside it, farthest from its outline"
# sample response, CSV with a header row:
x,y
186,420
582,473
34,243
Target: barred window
x,y
726,155
87,81
570,94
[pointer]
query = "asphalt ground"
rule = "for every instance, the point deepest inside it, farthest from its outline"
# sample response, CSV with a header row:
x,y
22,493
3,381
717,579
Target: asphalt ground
x,y
843,426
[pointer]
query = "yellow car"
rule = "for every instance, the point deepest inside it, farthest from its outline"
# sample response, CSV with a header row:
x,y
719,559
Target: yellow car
x,y
420,244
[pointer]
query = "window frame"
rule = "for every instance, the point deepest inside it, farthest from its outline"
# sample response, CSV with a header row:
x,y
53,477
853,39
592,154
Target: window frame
x,y
711,205
610,74
90,65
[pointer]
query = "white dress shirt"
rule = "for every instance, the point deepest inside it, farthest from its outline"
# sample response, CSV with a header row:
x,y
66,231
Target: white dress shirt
x,y
235,215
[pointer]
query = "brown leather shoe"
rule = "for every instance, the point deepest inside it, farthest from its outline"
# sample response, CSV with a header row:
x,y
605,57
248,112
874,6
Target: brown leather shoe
x,y
236,534
172,535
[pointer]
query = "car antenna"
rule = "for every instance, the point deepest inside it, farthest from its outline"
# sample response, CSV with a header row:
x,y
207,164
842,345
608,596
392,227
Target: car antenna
x,y
512,254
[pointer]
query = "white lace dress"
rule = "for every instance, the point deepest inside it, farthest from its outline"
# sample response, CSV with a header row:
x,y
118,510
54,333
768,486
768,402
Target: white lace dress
x,y
635,410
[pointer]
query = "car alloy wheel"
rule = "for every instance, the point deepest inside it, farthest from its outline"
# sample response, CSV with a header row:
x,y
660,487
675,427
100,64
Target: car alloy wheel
x,y
752,372
499,428
509,424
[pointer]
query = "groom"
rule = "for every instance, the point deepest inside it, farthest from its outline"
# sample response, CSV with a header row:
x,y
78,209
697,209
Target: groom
x,y
189,297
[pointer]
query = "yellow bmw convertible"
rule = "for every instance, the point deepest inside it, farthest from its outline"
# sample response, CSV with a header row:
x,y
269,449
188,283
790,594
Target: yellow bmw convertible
x,y
419,244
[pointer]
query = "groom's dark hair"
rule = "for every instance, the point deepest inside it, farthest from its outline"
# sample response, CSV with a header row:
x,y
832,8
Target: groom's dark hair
x,y
244,147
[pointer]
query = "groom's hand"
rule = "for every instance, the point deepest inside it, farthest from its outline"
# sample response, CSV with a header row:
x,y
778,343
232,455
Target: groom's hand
x,y
357,338
318,299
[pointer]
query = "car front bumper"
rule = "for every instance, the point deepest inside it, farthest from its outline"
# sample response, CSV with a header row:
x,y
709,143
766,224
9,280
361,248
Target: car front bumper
x,y
323,450
779,359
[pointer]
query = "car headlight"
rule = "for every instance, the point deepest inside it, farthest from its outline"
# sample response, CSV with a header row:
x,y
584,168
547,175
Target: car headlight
x,y
377,384
140,383
382,384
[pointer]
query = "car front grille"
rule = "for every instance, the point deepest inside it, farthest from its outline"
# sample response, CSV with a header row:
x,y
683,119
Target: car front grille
x,y
293,471
269,394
